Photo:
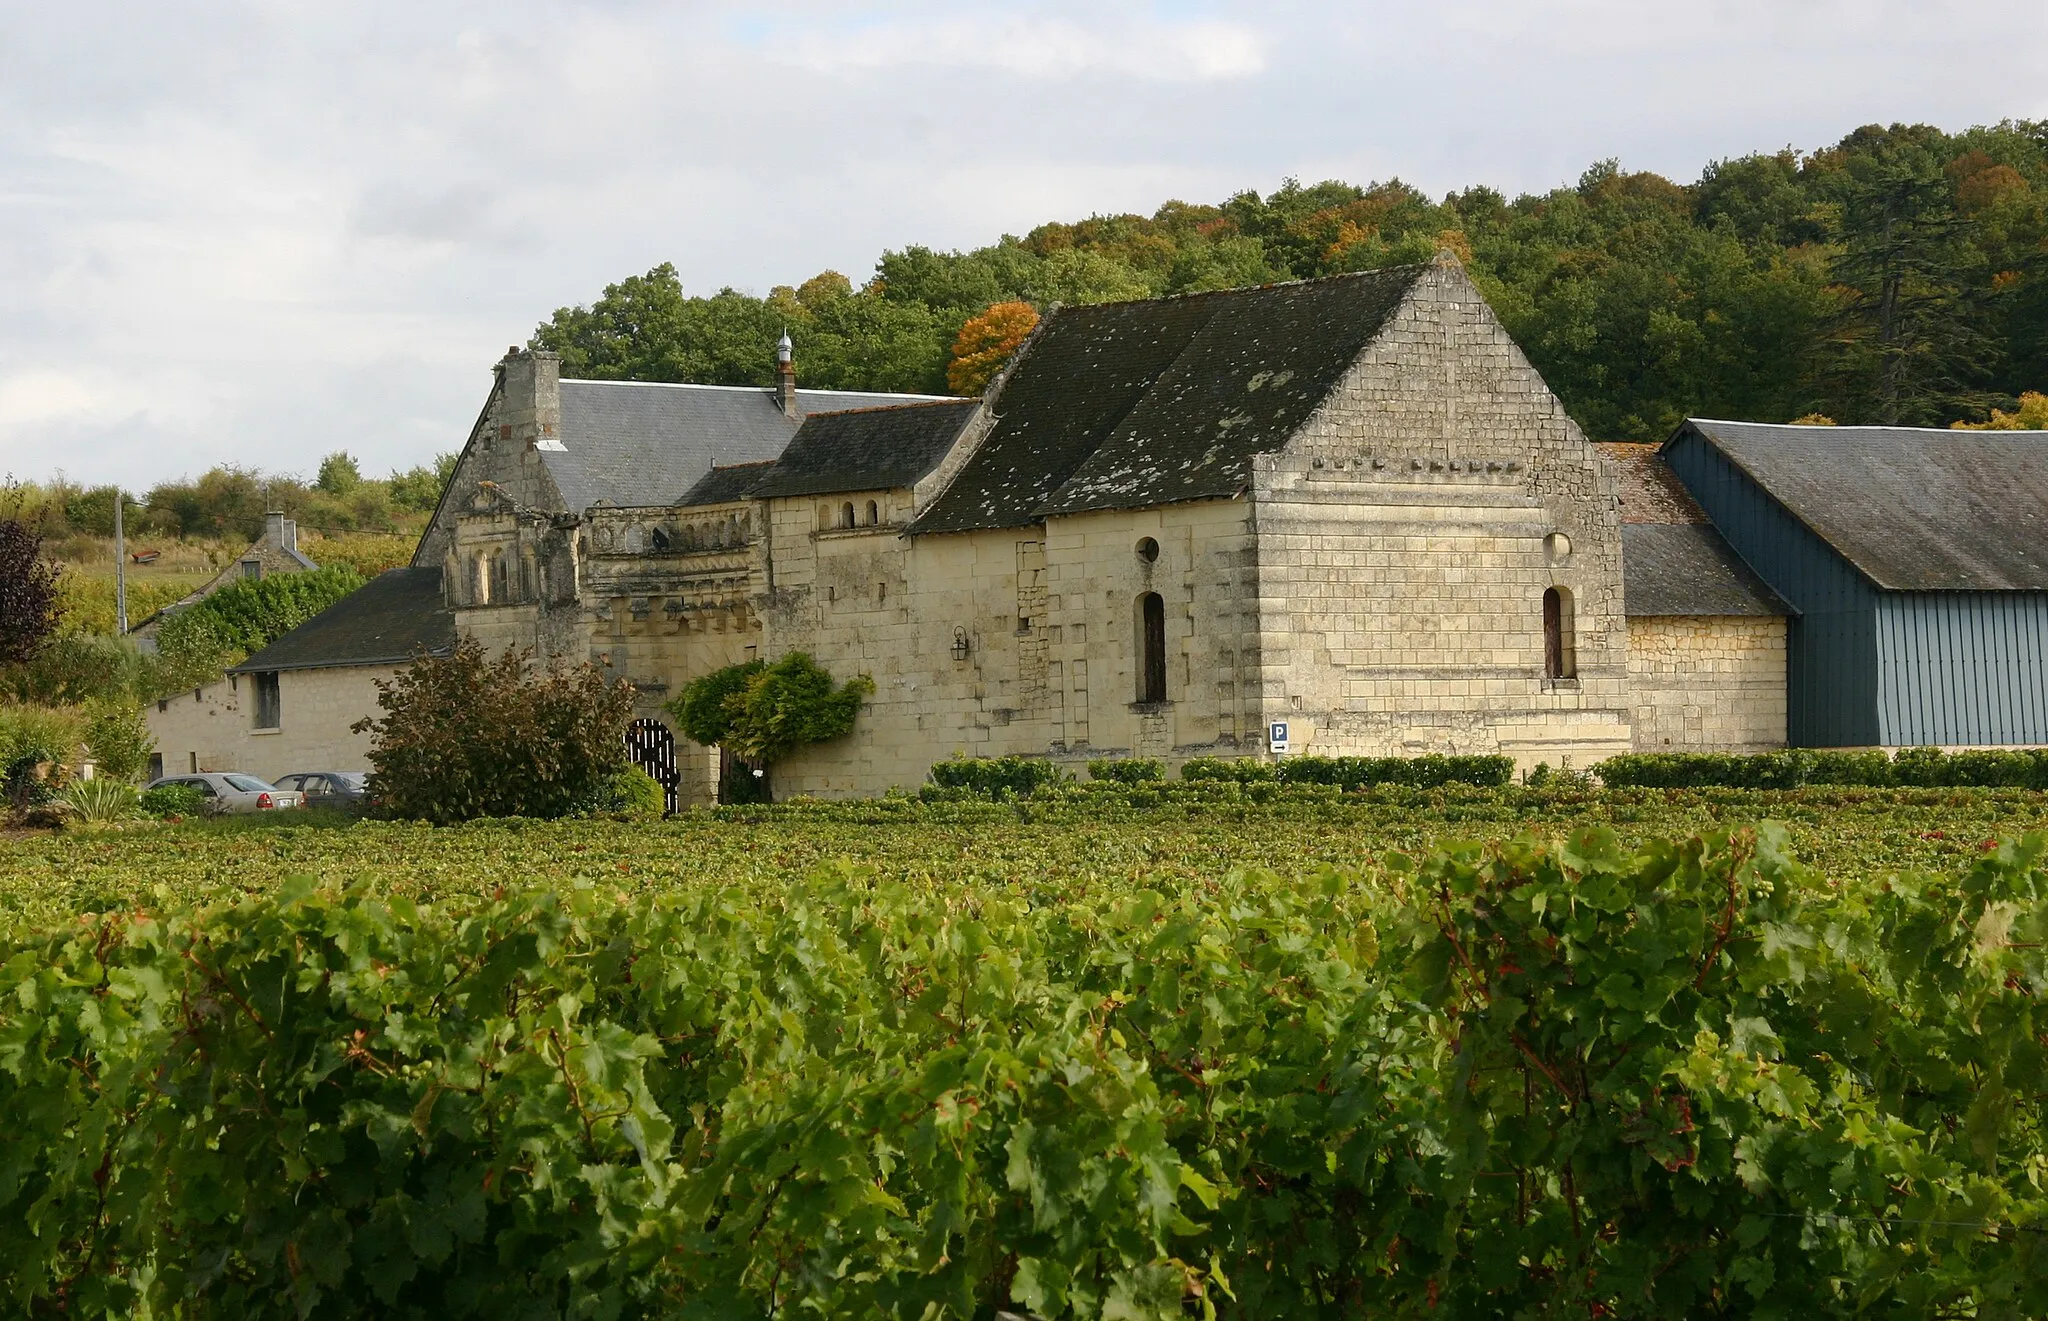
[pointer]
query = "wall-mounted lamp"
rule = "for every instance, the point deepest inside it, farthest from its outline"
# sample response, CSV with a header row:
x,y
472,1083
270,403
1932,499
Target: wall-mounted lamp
x,y
961,646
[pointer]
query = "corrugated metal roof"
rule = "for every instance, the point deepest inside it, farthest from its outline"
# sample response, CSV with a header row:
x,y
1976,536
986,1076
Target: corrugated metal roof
x,y
388,620
643,443
1122,405
1688,569
1912,508
868,449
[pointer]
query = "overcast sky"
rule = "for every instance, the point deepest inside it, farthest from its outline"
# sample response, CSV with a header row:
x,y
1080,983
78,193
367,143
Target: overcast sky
x,y
254,233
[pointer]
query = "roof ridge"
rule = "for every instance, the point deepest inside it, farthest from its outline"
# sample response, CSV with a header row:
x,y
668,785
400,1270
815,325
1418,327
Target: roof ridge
x,y
758,389
935,402
1837,427
1416,267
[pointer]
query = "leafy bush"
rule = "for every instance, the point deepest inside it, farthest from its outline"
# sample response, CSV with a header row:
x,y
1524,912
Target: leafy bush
x,y
760,713
1244,770
172,801
996,777
76,669
1792,768
466,736
31,736
99,801
1126,770
119,741
1426,771
631,794
195,643
1532,1080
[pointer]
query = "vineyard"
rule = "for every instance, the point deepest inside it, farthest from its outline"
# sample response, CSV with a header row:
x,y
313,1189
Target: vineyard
x,y
1211,1050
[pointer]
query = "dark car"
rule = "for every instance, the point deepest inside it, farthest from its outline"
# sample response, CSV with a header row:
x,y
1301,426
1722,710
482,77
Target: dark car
x,y
347,791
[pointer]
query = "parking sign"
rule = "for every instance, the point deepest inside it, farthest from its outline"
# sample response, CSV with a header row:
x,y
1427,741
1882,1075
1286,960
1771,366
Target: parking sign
x,y
1276,736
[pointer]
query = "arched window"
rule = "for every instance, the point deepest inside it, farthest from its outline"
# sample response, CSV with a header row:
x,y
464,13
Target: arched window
x,y
1560,659
824,517
874,514
846,514
480,589
1151,648
498,583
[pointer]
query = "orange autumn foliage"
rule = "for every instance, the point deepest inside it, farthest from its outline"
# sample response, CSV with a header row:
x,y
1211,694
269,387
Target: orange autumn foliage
x,y
985,343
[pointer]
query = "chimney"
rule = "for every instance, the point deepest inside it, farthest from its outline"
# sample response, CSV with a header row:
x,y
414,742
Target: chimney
x,y
785,377
531,411
280,531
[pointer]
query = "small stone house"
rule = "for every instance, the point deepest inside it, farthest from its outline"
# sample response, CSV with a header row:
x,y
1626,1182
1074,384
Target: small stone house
x,y
275,551
289,707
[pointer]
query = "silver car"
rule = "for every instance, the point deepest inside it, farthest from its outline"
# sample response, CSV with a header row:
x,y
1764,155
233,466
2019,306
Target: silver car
x,y
347,791
231,792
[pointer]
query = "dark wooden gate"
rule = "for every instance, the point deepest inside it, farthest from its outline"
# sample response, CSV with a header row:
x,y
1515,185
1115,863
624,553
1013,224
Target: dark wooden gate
x,y
653,749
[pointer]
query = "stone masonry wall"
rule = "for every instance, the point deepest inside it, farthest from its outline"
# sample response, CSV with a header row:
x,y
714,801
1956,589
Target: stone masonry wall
x,y
1707,683
1048,619
1406,538
211,730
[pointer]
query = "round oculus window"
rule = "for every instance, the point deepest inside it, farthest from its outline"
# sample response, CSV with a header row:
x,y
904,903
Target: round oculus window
x,y
1148,550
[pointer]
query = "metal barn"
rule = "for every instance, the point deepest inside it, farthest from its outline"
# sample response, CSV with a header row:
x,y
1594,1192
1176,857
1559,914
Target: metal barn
x,y
1916,561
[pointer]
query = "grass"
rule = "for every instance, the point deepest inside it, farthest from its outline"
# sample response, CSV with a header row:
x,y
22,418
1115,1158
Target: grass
x,y
1852,835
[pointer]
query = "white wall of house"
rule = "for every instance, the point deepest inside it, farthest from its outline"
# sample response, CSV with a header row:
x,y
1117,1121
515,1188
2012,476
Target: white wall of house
x,y
214,728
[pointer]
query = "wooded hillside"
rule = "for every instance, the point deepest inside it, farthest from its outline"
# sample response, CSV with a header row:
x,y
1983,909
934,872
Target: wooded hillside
x,y
1900,275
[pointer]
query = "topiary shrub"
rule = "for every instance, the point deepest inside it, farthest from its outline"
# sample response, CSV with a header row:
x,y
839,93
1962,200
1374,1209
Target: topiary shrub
x,y
467,736
1126,770
996,777
631,794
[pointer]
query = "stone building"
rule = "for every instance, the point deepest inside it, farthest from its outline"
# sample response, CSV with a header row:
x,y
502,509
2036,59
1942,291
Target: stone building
x,y
289,707
276,551
1349,505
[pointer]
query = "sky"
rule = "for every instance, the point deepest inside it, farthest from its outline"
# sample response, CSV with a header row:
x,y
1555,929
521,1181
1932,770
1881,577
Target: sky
x,y
255,233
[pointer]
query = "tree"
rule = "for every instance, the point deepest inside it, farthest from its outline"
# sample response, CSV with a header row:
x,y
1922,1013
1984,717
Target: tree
x,y
2032,415
761,713
467,735
986,343
339,474
28,592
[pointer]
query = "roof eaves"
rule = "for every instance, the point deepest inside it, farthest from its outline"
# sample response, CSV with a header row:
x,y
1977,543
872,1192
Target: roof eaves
x,y
1764,490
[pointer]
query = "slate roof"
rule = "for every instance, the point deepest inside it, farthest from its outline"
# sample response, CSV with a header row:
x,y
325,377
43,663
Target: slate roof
x,y
1688,569
1122,405
725,485
1914,509
641,443
867,449
1673,560
386,621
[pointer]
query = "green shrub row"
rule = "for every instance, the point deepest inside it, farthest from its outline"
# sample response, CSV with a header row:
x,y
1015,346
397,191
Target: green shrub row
x,y
1537,1080
997,777
1927,768
1425,771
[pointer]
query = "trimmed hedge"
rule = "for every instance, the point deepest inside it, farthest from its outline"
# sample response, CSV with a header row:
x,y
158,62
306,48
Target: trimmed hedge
x,y
1925,768
1127,770
1423,772
996,777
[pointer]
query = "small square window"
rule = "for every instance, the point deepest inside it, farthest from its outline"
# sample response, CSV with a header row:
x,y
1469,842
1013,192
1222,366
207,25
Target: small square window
x,y
252,569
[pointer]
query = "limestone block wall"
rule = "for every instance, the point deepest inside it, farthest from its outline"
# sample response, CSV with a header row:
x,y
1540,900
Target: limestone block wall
x,y
1047,617
1405,539
1707,683
523,411
211,729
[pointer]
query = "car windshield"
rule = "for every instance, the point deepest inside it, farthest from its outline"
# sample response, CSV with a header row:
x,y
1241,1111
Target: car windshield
x,y
248,784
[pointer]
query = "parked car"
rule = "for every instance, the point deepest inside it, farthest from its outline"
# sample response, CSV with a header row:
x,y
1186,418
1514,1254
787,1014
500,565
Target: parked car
x,y
347,790
233,792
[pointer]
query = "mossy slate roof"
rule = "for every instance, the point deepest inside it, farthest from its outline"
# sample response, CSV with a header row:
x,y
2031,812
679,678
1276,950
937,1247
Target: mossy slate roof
x,y
869,449
1124,405
390,619
724,485
1915,509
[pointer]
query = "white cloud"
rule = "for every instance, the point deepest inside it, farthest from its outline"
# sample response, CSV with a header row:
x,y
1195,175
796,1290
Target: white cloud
x,y
251,233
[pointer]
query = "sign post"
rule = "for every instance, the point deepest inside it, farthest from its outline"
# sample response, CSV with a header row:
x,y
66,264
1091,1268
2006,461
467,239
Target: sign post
x,y
1276,737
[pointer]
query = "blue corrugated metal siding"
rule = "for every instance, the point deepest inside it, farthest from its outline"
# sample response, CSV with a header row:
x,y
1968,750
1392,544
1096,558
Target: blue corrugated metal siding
x,y
1963,667
1831,663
